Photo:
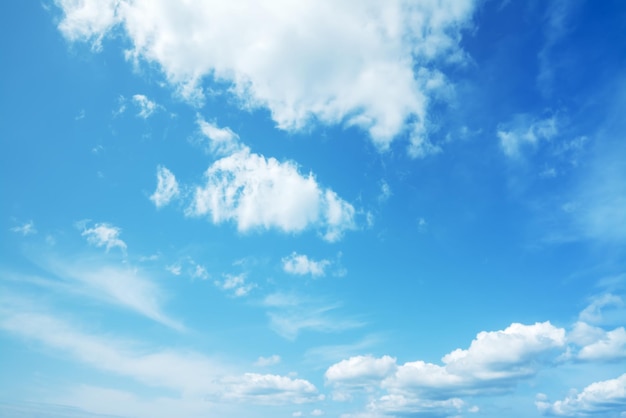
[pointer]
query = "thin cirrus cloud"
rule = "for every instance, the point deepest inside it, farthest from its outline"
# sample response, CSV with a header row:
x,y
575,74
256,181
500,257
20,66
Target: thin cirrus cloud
x,y
188,373
258,193
123,286
523,131
374,62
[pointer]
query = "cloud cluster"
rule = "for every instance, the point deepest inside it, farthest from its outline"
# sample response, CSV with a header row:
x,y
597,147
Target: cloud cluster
x,y
599,399
302,265
368,64
256,192
494,362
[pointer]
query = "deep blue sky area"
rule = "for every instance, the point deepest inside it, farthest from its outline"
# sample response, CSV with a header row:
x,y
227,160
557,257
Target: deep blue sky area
x,y
344,209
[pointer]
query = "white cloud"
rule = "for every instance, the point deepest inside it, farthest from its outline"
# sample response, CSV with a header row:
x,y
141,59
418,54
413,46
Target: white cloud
x,y
267,361
494,363
146,106
260,193
360,370
87,20
525,131
236,284
608,346
104,235
176,269
604,398
189,373
167,187
181,371
125,286
269,389
27,228
302,265
366,64
317,412
222,141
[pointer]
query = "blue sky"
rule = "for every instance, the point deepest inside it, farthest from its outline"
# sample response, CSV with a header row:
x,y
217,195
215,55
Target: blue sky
x,y
291,209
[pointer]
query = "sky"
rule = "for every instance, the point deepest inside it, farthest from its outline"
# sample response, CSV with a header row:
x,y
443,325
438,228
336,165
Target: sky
x,y
355,209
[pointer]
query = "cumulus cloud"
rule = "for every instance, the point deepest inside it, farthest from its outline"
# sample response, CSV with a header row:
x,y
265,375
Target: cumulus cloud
x,y
367,64
524,131
167,187
262,193
104,235
361,370
302,265
494,363
610,346
269,389
606,398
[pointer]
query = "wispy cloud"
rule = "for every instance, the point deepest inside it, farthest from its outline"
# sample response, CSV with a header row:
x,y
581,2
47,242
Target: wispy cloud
x,y
290,314
167,187
104,235
27,228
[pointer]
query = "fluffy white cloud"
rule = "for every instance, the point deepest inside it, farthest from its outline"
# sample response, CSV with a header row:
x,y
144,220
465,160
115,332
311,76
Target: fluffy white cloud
x,y
269,389
366,64
146,106
258,192
608,346
104,235
494,363
359,369
302,265
524,131
606,398
167,187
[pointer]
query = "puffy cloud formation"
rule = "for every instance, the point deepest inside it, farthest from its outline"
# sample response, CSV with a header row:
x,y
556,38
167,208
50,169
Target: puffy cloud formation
x,y
167,187
269,389
494,362
368,64
104,235
302,265
256,192
262,193
599,399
